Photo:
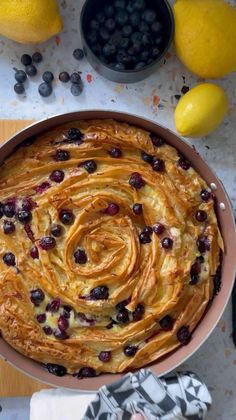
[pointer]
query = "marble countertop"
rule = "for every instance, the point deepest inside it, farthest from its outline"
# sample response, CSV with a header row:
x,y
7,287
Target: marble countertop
x,y
153,98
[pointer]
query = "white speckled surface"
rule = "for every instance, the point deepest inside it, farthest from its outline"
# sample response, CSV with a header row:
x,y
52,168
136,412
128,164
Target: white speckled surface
x,y
154,98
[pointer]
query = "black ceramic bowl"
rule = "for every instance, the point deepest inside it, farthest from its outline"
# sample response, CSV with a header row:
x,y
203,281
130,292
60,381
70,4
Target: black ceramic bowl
x,y
89,11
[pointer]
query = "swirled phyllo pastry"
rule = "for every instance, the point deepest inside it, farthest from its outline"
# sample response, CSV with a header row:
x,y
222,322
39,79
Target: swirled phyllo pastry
x,y
109,246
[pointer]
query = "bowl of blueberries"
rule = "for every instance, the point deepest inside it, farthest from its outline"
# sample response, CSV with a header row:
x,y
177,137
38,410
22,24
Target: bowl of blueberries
x,y
125,41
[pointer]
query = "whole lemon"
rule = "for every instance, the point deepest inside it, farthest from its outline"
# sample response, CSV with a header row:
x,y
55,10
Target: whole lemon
x,y
201,110
205,36
29,21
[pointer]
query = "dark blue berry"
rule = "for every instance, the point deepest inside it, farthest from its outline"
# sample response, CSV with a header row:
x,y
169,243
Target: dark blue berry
x,y
100,17
143,27
124,43
138,312
109,10
201,216
57,176
92,37
184,335
123,316
109,50
41,318
105,356
158,228
167,243
26,59
136,37
127,30
66,217
90,166
78,54
94,24
47,330
119,66
24,216
137,208
9,259
144,55
146,157
86,372
146,39
37,296
203,244
155,52
139,5
206,195
61,155
75,136
166,323
8,227
115,152
45,89
144,238
76,89
158,165
130,351
136,181
80,256
37,57
8,209
19,88
158,41
156,27
120,4
121,17
20,76
31,70
56,370
99,293
112,209
104,34
48,77
75,78
63,323
184,163
47,242
110,24
121,305
148,230
157,140
54,305
149,16
135,19
34,253
56,230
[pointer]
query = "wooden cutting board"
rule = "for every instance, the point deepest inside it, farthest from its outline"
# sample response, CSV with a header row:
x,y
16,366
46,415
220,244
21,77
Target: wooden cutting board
x,y
12,382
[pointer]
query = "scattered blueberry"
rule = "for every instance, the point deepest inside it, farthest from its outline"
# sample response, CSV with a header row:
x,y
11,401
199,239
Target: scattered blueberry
x,y
75,136
66,217
138,312
184,335
86,372
140,65
203,244
119,66
144,55
26,59
37,296
67,311
112,209
166,323
76,89
92,37
105,356
20,76
57,176
157,140
167,243
9,259
80,256
47,242
158,165
144,238
61,155
56,370
34,253
146,157
123,316
75,78
143,27
155,52
78,54
54,305
158,42
120,4
63,323
41,318
115,152
8,227
156,27
137,208
56,230
48,77
121,305
104,34
100,292
19,88
8,209
94,24
184,163
135,19
31,70
206,195
136,181
130,351
24,216
45,89
47,330
201,216
28,204
37,57
64,77
158,228
184,89
90,166
139,5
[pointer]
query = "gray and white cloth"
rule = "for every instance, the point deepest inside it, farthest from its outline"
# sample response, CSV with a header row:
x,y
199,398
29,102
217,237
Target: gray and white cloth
x,y
176,396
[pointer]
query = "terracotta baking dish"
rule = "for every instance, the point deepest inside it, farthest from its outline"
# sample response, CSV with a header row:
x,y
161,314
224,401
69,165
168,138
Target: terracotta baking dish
x,y
226,220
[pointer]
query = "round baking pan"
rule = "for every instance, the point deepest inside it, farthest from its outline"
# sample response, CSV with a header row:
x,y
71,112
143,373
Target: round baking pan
x,y
227,226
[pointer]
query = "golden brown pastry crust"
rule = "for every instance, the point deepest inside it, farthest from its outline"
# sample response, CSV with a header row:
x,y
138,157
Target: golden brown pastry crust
x,y
147,273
